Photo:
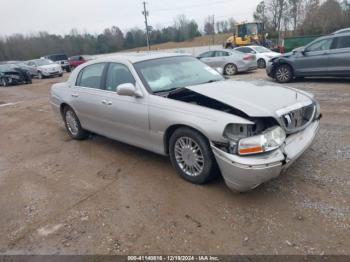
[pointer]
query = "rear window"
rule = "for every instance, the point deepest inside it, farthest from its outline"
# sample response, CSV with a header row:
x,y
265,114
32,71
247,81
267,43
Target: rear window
x,y
57,57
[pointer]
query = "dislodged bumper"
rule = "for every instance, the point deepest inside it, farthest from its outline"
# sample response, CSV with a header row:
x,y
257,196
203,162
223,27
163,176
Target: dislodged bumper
x,y
245,173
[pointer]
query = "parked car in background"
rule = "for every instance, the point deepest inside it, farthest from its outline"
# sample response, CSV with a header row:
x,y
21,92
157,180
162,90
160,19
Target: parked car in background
x,y
230,61
60,59
263,54
33,72
45,68
11,74
325,56
175,105
75,61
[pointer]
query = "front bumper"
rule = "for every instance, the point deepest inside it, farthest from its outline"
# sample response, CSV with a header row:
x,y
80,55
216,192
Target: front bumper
x,y
245,173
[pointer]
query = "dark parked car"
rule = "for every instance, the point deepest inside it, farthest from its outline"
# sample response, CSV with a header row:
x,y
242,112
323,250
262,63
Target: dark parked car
x,y
325,56
11,74
60,59
75,61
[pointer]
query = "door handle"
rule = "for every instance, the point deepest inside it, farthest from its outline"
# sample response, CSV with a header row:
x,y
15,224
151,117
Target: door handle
x,y
74,95
105,102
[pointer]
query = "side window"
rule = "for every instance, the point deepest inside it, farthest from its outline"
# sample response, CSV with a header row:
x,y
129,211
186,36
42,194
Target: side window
x,y
321,45
91,76
343,42
245,50
118,74
207,54
221,53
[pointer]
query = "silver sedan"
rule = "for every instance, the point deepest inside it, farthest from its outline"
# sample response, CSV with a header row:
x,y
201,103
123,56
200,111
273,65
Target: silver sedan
x,y
230,61
175,105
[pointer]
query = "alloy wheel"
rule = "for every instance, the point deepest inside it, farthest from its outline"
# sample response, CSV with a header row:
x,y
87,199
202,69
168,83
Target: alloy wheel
x,y
230,69
72,123
189,156
283,74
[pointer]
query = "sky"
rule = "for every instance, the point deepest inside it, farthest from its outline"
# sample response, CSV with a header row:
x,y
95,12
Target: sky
x,y
60,16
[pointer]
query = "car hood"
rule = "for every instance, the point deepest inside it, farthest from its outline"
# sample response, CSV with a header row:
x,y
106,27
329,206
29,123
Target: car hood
x,y
54,66
256,99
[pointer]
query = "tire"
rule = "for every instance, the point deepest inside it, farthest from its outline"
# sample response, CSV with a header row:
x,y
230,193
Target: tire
x,y
4,82
261,63
68,69
73,125
230,69
283,73
196,167
40,75
60,75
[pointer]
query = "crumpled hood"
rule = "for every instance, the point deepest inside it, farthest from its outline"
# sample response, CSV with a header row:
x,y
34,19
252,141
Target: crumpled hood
x,y
256,99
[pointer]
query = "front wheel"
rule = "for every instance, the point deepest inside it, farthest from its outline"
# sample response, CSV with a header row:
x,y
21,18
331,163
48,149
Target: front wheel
x,y
191,156
261,63
40,75
283,74
4,82
230,69
73,125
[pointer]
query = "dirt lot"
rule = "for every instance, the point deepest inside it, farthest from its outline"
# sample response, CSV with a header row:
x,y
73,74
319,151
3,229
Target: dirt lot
x,y
103,197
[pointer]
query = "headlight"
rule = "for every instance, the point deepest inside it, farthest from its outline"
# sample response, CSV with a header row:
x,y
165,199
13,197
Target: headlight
x,y
271,139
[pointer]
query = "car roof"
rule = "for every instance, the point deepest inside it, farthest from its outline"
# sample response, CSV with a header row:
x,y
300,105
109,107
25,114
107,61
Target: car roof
x,y
138,57
344,30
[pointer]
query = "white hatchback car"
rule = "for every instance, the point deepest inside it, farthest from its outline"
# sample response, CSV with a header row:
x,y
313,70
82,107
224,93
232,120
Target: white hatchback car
x,y
263,54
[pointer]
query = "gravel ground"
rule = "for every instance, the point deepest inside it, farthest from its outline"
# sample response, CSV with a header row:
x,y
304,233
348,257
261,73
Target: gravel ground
x,y
59,196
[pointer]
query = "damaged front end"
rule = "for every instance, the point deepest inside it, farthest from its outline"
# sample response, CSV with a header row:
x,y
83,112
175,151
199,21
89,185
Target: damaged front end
x,y
252,154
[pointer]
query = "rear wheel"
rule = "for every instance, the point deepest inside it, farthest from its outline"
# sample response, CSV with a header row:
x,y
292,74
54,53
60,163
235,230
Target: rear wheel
x,y
191,156
40,75
261,63
230,69
73,125
283,73
68,69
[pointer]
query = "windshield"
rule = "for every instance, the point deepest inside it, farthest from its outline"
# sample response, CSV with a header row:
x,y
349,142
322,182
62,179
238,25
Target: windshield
x,y
261,49
170,73
43,62
57,57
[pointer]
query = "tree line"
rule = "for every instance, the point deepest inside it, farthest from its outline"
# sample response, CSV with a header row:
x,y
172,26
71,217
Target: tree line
x,y
303,17
24,47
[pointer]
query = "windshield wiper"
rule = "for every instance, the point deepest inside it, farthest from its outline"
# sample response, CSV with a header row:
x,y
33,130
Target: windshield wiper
x,y
168,90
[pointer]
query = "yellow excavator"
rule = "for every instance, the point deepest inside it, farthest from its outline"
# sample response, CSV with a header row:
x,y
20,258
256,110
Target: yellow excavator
x,y
247,34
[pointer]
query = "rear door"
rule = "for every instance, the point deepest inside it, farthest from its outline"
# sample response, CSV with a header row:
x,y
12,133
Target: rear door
x,y
219,59
315,59
87,96
339,56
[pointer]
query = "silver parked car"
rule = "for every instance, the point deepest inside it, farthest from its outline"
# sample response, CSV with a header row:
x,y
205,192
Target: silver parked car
x,y
45,68
230,61
175,105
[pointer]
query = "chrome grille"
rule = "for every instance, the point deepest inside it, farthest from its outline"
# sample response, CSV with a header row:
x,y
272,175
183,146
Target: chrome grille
x,y
298,119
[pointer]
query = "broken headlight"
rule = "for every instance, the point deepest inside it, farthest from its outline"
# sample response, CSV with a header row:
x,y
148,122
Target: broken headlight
x,y
269,140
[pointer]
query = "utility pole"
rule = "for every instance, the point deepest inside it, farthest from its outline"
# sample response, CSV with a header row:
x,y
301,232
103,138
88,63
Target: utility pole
x,y
214,29
145,13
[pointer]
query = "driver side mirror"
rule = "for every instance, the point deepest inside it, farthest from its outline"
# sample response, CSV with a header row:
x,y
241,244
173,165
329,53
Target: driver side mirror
x,y
128,89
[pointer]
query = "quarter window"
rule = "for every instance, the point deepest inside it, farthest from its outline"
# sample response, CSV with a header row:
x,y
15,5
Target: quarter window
x,y
118,74
91,76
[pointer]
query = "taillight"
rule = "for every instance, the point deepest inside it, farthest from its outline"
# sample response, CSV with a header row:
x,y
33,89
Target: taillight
x,y
248,57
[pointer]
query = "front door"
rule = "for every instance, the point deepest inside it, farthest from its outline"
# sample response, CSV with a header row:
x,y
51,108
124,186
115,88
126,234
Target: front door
x,y
314,61
125,118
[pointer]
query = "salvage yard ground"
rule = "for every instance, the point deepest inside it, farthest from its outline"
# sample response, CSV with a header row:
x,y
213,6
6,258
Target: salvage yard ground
x,y
99,196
